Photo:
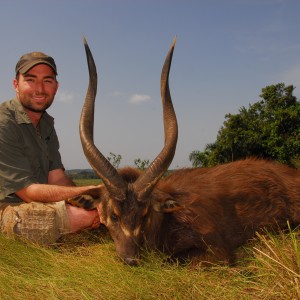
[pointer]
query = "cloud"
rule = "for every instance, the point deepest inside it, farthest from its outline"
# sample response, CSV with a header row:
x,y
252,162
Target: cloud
x,y
116,94
65,96
139,98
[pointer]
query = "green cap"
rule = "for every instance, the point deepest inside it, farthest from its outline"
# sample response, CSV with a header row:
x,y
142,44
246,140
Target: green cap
x,y
29,60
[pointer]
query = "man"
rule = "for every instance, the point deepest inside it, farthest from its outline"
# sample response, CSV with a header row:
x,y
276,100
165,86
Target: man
x,y
33,183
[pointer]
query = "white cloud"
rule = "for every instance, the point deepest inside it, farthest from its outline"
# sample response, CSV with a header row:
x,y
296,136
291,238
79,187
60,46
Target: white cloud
x,y
65,96
138,98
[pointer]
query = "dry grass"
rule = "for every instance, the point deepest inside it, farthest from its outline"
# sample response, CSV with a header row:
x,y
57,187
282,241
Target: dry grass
x,y
84,266
276,265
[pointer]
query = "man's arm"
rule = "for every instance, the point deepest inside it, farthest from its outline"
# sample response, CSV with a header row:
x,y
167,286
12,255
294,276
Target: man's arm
x,y
60,187
50,193
59,177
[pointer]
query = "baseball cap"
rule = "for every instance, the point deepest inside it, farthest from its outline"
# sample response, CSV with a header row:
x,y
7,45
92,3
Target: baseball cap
x,y
29,60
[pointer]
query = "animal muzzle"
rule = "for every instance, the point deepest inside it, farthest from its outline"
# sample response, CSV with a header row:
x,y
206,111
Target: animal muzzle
x,y
129,253
134,262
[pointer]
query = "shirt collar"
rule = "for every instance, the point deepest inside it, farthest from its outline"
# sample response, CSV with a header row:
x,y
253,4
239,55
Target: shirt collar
x,y
22,117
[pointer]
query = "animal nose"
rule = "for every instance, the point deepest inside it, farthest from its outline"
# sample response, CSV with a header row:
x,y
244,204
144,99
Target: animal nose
x,y
131,261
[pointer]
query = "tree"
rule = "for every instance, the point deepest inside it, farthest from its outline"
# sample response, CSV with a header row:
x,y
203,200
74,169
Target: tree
x,y
114,159
141,164
268,129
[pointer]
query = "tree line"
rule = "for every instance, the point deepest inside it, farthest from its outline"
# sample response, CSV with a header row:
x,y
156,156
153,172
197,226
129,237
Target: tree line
x,y
268,129
114,159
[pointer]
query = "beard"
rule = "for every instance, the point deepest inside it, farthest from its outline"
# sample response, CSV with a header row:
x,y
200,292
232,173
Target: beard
x,y
31,104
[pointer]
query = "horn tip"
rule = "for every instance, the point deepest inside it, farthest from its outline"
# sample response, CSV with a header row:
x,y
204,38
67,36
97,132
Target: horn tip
x,y
84,40
174,41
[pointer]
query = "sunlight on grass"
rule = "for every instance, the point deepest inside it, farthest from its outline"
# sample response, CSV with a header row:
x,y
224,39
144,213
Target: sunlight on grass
x,y
85,266
277,264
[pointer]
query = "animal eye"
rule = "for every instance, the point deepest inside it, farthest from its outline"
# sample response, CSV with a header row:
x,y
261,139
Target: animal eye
x,y
114,218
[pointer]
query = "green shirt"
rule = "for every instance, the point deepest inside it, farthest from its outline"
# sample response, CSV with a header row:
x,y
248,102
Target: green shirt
x,y
26,157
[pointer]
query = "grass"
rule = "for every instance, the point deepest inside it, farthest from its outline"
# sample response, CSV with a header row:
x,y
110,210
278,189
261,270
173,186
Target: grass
x,y
84,266
81,182
277,265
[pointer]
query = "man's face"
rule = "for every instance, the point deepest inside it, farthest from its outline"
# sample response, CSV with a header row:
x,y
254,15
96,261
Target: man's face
x,y
36,89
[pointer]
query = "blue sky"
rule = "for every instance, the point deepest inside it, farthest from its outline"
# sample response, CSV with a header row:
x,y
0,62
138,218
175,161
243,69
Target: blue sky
x,y
226,52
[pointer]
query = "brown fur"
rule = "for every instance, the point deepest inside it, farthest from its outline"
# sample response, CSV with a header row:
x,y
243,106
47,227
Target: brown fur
x,y
203,214
224,206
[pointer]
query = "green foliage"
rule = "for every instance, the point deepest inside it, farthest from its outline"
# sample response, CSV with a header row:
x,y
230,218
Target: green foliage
x,y
268,129
114,159
141,164
199,159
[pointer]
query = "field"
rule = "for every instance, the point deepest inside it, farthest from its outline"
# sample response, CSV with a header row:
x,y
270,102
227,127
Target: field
x,y
85,266
81,182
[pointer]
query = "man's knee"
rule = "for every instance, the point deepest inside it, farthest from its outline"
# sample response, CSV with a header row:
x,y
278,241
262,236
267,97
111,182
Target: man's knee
x,y
38,222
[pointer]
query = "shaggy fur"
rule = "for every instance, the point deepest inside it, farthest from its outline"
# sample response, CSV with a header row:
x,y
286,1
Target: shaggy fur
x,y
202,214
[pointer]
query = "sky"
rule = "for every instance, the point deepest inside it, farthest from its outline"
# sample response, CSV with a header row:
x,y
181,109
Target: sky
x,y
226,52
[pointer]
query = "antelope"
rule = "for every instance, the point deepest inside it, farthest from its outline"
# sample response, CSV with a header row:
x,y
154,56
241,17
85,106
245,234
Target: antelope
x,y
195,215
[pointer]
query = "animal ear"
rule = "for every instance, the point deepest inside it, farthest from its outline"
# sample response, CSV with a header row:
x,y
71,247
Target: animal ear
x,y
170,205
164,203
89,200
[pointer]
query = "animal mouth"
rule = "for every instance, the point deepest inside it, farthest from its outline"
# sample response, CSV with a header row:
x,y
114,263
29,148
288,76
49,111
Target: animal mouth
x,y
134,262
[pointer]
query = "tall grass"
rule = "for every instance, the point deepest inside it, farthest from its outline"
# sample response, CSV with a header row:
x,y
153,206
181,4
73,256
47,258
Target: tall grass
x,y
277,265
84,266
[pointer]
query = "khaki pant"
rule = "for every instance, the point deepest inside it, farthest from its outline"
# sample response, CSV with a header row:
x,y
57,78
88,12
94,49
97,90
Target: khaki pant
x,y
39,222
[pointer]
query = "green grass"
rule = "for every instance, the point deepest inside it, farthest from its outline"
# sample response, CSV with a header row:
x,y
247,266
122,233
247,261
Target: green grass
x,y
81,182
84,266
